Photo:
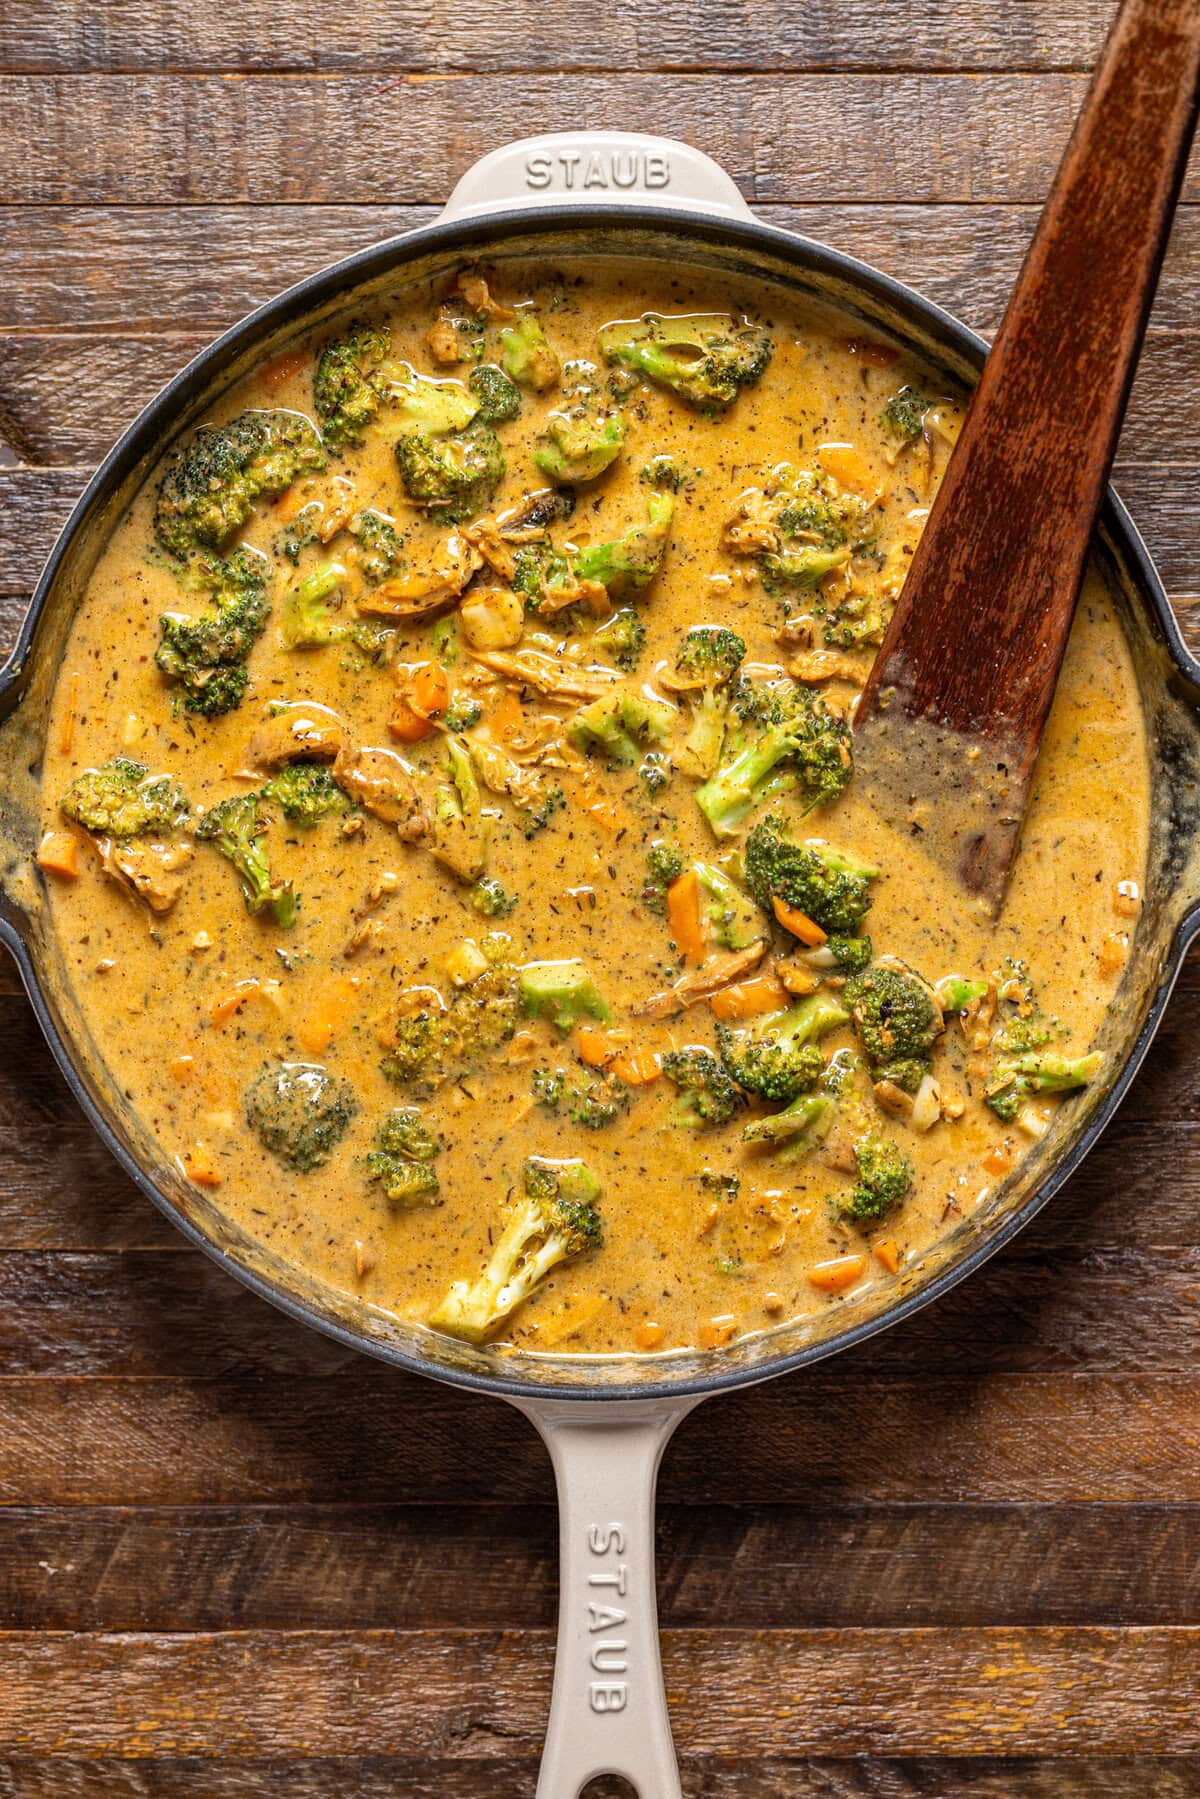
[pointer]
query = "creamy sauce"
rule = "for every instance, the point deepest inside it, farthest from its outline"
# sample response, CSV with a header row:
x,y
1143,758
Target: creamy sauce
x,y
682,1263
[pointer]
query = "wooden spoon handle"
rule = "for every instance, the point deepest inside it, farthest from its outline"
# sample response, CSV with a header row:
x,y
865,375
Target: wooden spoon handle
x,y
980,627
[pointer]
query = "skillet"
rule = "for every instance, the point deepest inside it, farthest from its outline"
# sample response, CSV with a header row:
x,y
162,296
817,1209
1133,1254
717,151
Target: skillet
x,y
605,1420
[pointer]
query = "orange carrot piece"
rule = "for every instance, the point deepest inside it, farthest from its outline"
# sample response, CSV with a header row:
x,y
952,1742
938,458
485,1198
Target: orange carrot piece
x,y
408,725
315,1033
429,690
849,468
199,1167
837,1275
592,1046
232,1000
58,854
998,1160
888,1253
715,1333
277,374
798,923
182,1069
749,999
683,916
649,1336
636,1067
507,716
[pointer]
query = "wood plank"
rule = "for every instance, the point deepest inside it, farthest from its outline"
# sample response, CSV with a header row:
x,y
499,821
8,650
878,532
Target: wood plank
x,y
749,1777
368,1433
152,35
177,139
836,1566
474,1696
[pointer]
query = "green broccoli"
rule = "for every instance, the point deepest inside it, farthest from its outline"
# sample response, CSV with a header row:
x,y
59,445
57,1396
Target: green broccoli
x,y
555,1220
563,992
236,828
355,379
379,545
733,918
885,1176
600,1102
498,398
489,898
577,448
903,416
703,359
629,563
545,579
307,618
210,489
454,476
526,355
299,1112
828,887
778,1057
459,838
664,864
537,814
306,793
956,994
804,1125
799,568
853,624
654,773
708,1096
462,714
623,637
207,654
402,1160
548,1086
1015,1076
430,1047
706,663
807,744
667,473
846,955
898,1020
123,799
618,722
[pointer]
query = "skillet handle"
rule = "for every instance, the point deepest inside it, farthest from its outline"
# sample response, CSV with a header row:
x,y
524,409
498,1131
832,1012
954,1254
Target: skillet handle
x,y
596,167
608,1714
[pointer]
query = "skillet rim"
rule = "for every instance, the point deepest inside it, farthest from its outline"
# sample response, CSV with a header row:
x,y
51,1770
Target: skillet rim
x,y
304,295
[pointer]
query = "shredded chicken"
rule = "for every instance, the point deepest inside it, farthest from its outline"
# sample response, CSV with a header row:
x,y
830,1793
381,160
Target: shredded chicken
x,y
815,666
152,872
301,732
753,529
381,784
548,674
701,983
502,775
473,287
421,591
443,342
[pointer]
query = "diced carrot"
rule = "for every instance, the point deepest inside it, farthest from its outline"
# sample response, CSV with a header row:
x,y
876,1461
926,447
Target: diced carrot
x,y
749,999
715,1333
998,1160
888,1253
291,503
429,690
232,1000
849,468
649,1336
507,716
316,1032
66,731
636,1067
408,725
592,1045
278,373
836,1276
876,356
683,916
58,854
609,813
182,1069
1113,952
798,923
200,1168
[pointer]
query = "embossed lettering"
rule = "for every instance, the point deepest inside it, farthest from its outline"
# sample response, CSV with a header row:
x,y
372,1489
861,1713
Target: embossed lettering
x,y
616,1581
568,159
611,1696
624,174
594,175
609,1657
603,1537
539,171
603,1617
658,171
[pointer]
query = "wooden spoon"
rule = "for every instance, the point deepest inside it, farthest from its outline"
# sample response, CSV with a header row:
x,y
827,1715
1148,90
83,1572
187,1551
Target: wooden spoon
x,y
948,727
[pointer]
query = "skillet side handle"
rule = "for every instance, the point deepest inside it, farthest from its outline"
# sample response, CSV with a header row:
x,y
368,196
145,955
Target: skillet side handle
x,y
608,1714
596,167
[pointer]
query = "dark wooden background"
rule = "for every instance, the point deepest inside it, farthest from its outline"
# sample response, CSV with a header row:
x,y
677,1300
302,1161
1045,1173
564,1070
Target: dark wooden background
x,y
239,1563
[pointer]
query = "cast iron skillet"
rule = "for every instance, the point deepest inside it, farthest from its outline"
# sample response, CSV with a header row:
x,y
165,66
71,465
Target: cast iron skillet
x,y
605,1420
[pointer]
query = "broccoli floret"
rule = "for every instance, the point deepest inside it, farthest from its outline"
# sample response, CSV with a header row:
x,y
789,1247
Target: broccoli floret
x,y
666,473
630,563
623,637
431,1047
848,955
459,836
799,568
210,490
123,799
236,827
207,653
705,359
801,1127
664,864
306,793
545,579
578,448
489,898
654,773
498,398
707,660
563,992
355,378
454,476
1014,1078
733,918
617,723
307,618
708,1097
599,1103
462,714
808,743
779,1056
299,1111
898,1020
380,545
526,355
556,1219
956,994
853,624
402,1160
827,887
547,1085
537,815
885,1176
903,415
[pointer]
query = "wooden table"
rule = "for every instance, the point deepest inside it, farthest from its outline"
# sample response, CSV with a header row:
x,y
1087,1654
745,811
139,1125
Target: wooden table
x,y
238,1561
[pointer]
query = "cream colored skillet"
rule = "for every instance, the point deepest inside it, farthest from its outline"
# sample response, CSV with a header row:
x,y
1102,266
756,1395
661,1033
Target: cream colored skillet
x,y
605,1420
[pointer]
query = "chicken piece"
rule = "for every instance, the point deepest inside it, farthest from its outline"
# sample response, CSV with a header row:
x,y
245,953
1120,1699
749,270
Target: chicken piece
x,y
421,591
473,287
382,785
701,983
444,343
152,872
815,666
551,675
503,775
297,733
753,529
